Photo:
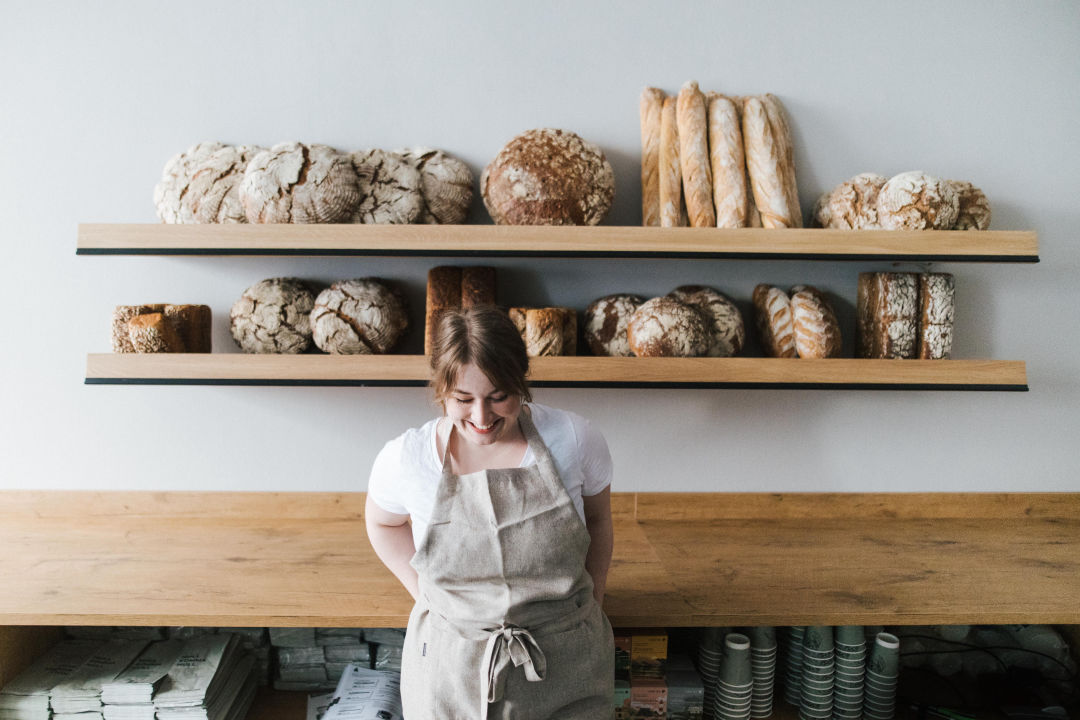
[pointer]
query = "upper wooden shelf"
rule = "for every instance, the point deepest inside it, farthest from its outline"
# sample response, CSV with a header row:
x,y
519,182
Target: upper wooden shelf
x,y
584,371
302,559
534,241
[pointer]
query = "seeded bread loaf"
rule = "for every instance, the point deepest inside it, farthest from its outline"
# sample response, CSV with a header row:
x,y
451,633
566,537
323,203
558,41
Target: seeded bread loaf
x,y
690,116
937,312
358,317
153,333
724,322
665,327
606,320
774,321
651,105
122,314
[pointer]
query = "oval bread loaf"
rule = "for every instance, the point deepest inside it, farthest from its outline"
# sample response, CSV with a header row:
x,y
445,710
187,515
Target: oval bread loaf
x,y
974,212
213,196
665,327
446,184
852,205
273,316
727,333
917,201
816,329
389,188
774,321
175,179
606,320
297,183
358,317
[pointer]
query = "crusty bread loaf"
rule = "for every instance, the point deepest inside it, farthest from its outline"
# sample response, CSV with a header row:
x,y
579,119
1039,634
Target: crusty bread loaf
x,y
121,341
443,293
852,205
606,320
889,314
364,316
193,325
671,214
974,208
297,183
548,177
390,188
937,312
817,331
153,333
665,327
781,133
727,333
477,286
728,161
651,106
917,201
774,321
445,182
764,163
864,314
273,316
690,116
546,331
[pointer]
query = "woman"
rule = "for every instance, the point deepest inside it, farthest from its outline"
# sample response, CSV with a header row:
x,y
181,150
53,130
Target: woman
x,y
510,544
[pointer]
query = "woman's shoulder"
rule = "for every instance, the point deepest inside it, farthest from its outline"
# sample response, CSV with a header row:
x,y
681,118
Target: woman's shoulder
x,y
412,448
565,424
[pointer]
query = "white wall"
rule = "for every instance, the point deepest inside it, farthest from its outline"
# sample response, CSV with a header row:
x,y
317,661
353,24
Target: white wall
x,y
97,96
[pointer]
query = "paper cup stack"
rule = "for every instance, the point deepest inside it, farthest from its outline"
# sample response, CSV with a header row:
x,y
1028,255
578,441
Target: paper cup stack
x,y
735,688
850,646
793,665
882,677
763,669
710,653
818,674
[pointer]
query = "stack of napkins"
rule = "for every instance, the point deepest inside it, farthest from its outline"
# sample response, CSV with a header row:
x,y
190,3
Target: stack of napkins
x,y
130,696
27,696
78,697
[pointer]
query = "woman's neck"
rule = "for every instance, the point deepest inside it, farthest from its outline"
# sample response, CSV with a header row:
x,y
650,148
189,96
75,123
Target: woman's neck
x,y
468,457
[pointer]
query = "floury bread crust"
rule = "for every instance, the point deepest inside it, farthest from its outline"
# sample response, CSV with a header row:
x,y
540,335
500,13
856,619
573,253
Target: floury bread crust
x,y
548,177
917,201
389,187
176,178
670,184
446,184
298,183
728,160
273,316
690,115
887,314
974,213
651,105
606,321
775,322
358,317
852,205
937,313
817,331
727,332
213,196
665,327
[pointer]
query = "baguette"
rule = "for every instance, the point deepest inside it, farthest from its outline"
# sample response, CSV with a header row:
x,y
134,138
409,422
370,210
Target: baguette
x,y
764,165
670,169
728,163
781,132
693,128
652,103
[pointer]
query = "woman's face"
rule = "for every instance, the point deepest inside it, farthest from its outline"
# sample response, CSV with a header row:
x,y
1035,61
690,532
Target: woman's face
x,y
482,413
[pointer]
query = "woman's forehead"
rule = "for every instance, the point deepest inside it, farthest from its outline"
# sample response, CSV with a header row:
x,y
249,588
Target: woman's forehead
x,y
472,381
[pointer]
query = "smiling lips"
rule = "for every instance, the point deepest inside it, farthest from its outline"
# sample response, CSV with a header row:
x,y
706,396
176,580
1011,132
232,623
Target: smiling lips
x,y
484,429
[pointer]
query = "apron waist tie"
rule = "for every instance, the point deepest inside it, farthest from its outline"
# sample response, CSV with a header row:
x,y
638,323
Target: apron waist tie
x,y
506,646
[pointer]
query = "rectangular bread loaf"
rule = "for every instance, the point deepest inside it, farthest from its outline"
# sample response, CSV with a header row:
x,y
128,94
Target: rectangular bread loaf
x,y
477,286
122,314
193,325
443,293
937,313
154,333
892,311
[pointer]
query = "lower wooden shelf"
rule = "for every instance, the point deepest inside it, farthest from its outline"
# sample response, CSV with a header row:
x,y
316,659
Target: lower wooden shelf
x,y
697,559
601,372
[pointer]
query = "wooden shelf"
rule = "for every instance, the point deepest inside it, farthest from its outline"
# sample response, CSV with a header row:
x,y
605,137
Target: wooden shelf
x,y
301,559
535,241
598,372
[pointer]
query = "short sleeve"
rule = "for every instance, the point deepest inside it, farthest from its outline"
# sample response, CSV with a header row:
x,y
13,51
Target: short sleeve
x,y
384,483
596,465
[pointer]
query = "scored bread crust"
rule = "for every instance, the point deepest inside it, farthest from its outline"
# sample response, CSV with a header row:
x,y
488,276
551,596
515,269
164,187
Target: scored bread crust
x,y
358,317
763,164
781,133
690,116
852,205
974,209
917,201
546,331
670,184
728,160
937,313
774,321
817,331
651,106
724,322
606,320
665,327
887,313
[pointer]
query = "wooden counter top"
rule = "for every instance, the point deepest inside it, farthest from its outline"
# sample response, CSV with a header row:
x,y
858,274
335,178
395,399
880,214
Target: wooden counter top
x,y
302,559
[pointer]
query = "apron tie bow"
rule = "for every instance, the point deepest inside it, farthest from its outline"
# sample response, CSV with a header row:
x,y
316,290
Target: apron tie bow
x,y
506,646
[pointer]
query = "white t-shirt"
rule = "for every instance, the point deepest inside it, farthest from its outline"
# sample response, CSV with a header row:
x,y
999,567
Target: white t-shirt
x,y
407,470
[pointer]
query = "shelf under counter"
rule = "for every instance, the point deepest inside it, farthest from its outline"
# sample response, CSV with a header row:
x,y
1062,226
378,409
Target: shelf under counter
x,y
680,559
611,242
577,371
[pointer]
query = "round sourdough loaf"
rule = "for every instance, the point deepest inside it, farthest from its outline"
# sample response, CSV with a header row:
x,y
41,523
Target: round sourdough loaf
x,y
548,177
297,183
852,205
213,196
175,180
272,316
665,327
389,188
974,207
606,320
917,201
727,333
358,317
446,184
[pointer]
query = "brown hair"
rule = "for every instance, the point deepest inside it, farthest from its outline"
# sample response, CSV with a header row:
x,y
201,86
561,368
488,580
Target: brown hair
x,y
486,337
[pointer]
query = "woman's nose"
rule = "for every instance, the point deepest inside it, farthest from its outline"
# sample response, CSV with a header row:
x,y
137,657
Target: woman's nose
x,y
481,414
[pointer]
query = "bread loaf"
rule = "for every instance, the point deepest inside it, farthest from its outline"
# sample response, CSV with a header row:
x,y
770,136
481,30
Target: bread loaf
x,y
477,286
175,180
690,116
213,195
122,314
852,205
727,333
450,288
606,320
765,165
389,188
917,201
937,312
665,327
273,316
446,184
774,321
192,324
546,331
297,183
781,132
816,329
671,214
153,333
651,105
887,313
728,162
358,317
548,177
974,208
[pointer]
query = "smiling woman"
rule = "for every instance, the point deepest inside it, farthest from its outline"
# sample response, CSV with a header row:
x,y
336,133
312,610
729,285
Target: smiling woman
x,y
510,543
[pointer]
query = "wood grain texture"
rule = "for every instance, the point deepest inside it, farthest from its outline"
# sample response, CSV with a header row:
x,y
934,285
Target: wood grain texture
x,y
608,240
564,369
139,558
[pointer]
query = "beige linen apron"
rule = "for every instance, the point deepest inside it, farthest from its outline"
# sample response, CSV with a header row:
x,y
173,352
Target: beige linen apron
x,y
506,625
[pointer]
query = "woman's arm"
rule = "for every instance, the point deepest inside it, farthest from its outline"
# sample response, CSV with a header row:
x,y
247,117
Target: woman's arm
x,y
391,537
598,523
